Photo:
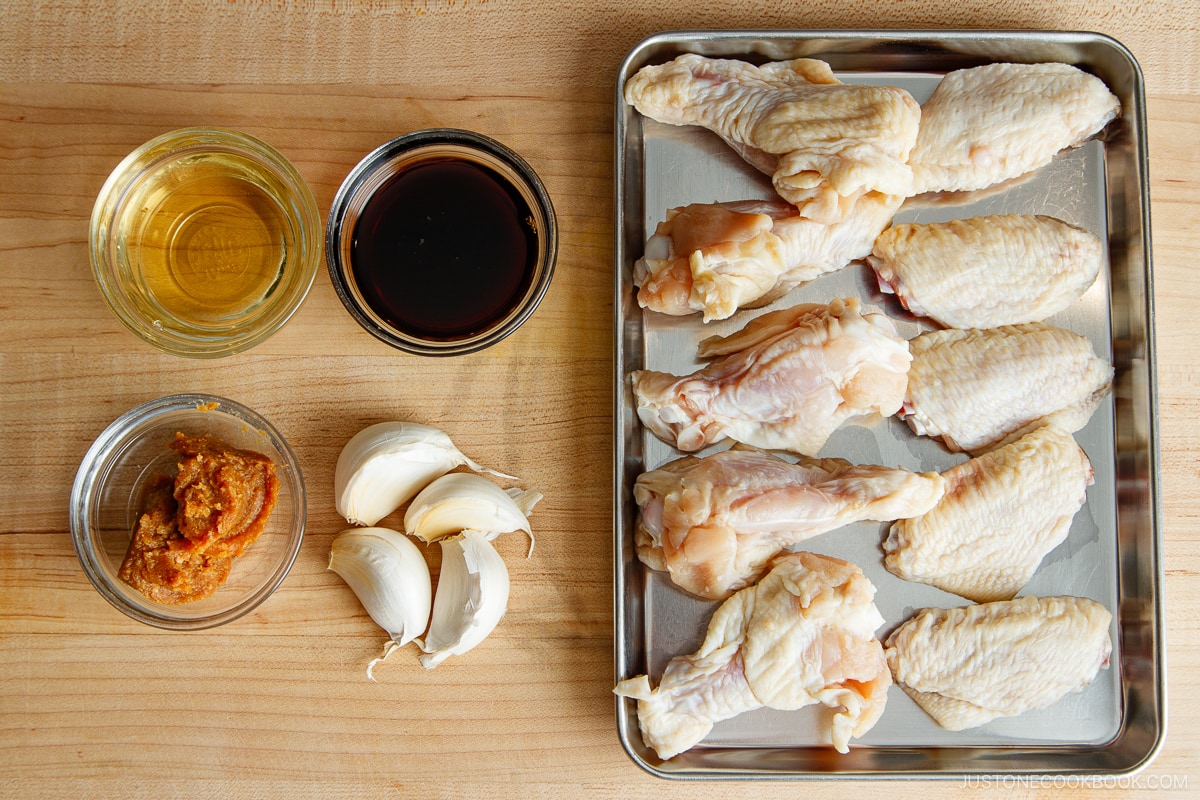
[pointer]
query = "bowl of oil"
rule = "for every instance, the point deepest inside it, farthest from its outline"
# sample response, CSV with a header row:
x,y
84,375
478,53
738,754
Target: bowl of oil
x,y
441,242
205,241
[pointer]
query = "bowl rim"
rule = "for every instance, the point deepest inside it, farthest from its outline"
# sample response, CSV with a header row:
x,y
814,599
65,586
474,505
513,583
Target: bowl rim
x,y
302,213
403,146
85,487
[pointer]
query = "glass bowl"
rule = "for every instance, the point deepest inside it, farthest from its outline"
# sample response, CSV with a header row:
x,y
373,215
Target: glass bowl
x,y
441,242
106,502
204,241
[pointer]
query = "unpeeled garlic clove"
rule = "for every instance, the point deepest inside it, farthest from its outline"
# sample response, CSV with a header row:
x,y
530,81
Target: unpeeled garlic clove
x,y
465,502
385,465
390,578
472,596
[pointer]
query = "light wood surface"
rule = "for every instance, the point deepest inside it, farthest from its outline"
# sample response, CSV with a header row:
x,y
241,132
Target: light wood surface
x,y
276,704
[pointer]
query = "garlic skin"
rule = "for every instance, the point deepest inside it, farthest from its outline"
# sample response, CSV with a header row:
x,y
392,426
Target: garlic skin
x,y
465,502
389,576
385,465
472,596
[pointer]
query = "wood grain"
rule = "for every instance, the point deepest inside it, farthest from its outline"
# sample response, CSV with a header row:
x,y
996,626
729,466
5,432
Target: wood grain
x,y
277,704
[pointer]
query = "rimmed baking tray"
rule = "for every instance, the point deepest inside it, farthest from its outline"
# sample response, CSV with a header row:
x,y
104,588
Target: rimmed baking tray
x,y
1113,551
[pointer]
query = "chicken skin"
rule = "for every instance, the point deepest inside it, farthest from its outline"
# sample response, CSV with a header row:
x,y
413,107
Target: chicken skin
x,y
977,389
1000,515
988,271
803,635
825,144
968,666
720,257
990,124
785,381
714,523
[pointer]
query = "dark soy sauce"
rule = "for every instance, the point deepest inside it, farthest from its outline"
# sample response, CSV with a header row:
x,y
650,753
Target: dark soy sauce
x,y
444,249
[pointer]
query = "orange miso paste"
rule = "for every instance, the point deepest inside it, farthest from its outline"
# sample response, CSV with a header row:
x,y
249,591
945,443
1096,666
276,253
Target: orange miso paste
x,y
192,526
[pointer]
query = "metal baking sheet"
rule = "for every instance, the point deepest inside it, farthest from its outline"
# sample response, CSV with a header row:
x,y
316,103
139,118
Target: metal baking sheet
x,y
1113,551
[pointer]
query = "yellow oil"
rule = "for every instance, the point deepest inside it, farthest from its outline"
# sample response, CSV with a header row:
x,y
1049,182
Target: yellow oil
x,y
206,242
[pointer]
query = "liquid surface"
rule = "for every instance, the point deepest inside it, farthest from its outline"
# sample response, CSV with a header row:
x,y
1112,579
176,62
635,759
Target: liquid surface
x,y
207,245
444,249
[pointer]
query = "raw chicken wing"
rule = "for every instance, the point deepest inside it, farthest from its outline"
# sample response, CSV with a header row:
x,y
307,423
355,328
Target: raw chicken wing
x,y
987,271
805,634
717,258
1001,514
992,123
786,381
976,389
825,143
968,666
715,522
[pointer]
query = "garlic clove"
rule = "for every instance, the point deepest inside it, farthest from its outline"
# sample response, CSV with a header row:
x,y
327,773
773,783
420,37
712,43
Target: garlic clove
x,y
390,578
465,502
526,499
472,596
385,465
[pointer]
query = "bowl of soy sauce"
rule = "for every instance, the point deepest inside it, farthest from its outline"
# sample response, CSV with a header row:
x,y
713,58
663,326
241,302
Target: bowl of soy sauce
x,y
441,242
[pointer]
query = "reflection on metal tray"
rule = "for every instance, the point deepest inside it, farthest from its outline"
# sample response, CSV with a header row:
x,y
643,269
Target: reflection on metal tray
x,y
1112,553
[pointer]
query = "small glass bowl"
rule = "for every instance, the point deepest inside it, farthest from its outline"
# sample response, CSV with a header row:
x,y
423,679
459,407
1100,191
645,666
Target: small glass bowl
x,y
440,146
204,241
107,496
